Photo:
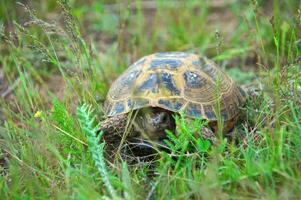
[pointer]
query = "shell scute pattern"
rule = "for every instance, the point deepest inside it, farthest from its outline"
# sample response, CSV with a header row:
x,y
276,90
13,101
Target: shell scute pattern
x,y
155,83
209,112
123,85
169,84
216,75
150,84
176,81
171,104
197,64
194,110
224,114
200,94
231,105
210,71
193,80
119,107
139,103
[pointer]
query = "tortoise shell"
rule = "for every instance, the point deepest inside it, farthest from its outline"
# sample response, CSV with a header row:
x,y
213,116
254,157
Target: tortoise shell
x,y
176,81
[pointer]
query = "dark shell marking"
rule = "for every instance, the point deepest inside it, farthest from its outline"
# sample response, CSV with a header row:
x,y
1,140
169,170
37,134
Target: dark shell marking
x,y
209,112
155,82
194,110
175,104
163,63
197,63
130,104
151,84
193,80
168,81
118,108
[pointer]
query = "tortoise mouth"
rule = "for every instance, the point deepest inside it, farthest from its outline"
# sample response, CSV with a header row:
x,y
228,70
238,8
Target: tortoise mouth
x,y
142,147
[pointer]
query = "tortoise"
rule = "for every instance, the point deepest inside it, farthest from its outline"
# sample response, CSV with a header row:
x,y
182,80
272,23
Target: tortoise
x,y
162,84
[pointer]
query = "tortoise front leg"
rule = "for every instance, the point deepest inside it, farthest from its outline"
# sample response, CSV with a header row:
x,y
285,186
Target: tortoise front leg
x,y
114,127
208,134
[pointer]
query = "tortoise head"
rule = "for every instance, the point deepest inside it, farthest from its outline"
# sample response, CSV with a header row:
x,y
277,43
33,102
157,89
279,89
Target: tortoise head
x,y
153,122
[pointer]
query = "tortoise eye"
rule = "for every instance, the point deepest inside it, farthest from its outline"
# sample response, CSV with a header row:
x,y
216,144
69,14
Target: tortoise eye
x,y
165,118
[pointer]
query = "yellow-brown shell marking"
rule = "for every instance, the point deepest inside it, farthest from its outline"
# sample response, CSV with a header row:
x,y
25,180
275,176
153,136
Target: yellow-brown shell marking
x,y
176,81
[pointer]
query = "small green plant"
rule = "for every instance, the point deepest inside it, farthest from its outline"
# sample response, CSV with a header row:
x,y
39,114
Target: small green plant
x,y
61,116
186,144
87,123
188,137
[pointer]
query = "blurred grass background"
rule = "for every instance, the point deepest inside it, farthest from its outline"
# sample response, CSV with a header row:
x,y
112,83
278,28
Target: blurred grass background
x,y
56,55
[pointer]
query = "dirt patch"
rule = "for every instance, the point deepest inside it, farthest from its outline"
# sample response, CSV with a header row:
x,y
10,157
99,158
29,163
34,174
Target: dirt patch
x,y
55,84
3,84
6,89
3,89
3,164
3,155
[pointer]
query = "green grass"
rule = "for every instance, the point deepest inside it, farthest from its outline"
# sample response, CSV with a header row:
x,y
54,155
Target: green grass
x,y
63,55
